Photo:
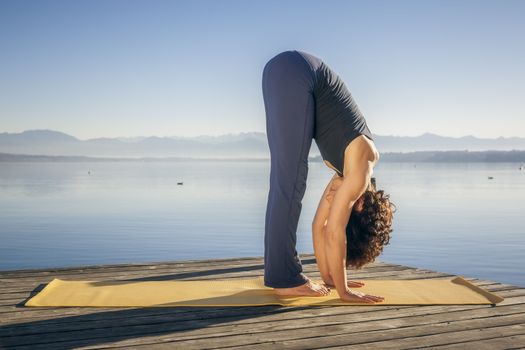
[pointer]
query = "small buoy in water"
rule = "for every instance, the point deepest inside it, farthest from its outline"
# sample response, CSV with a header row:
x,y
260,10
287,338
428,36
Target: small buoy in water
x,y
89,172
490,177
179,183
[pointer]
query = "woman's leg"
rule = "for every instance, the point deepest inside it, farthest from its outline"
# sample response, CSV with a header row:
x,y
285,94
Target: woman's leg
x,y
290,119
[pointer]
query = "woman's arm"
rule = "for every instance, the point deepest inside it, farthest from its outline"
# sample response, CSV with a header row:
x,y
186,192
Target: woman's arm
x,y
323,208
318,231
352,187
318,236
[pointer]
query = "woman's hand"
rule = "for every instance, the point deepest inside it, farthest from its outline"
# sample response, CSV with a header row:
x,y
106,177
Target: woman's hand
x,y
334,185
358,297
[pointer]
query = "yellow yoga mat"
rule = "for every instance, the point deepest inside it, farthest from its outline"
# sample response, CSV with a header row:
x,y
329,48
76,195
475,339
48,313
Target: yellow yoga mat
x,y
250,292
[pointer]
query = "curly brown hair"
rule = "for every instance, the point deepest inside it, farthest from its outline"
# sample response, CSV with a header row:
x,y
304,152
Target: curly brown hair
x,y
368,230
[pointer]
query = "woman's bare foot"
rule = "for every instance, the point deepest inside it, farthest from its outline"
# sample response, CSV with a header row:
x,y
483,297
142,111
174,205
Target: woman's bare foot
x,y
309,288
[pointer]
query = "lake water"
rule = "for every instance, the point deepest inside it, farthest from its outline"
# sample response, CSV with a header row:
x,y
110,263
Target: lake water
x,y
450,216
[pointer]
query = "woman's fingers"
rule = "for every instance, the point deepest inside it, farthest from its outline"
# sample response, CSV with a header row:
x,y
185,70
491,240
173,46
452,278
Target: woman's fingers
x,y
375,297
371,298
362,297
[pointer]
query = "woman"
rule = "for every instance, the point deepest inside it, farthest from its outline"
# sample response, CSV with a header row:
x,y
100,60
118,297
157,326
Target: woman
x,y
304,100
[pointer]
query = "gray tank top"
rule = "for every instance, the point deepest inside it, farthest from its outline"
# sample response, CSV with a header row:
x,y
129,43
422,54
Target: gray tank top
x,y
338,119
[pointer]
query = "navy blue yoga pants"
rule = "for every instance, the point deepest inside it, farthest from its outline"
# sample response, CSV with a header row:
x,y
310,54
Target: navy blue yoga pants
x,y
287,85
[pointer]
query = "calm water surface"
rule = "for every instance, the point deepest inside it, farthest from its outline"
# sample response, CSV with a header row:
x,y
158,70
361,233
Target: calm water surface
x,y
450,217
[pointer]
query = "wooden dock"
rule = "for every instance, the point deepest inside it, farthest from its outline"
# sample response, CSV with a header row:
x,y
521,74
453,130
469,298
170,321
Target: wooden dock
x,y
257,327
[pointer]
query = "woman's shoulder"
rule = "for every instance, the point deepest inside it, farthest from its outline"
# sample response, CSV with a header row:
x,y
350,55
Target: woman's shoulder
x,y
363,148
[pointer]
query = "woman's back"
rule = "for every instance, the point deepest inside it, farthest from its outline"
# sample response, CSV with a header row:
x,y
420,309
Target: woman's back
x,y
338,120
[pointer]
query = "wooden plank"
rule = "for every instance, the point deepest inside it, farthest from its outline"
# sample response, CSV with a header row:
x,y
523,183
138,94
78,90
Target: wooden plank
x,y
102,269
347,338
431,340
248,327
284,325
195,262
189,271
305,259
497,343
209,273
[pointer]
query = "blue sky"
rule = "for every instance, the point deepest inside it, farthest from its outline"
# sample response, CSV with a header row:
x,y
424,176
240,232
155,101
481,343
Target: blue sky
x,y
129,68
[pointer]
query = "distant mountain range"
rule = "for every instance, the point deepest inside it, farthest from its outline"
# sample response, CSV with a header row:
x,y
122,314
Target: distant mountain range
x,y
411,157
242,145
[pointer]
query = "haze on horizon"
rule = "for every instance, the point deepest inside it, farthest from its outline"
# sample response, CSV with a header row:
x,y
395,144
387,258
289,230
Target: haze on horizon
x,y
187,68
222,135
